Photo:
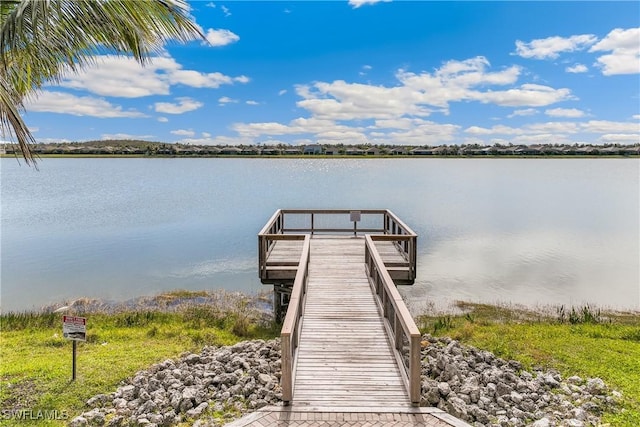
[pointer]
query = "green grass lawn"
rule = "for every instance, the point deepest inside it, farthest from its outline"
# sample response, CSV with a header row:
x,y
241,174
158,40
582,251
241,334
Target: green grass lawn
x,y
604,346
36,361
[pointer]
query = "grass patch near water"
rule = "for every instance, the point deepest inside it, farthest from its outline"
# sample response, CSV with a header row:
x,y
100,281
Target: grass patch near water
x,y
35,360
576,341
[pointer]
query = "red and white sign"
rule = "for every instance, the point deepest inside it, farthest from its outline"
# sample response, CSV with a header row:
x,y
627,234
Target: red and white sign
x,y
74,328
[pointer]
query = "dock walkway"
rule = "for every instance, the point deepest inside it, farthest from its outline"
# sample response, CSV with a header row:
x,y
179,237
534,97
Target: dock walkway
x,y
344,357
350,348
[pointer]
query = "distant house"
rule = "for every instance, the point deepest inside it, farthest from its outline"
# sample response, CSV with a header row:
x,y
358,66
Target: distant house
x,y
470,151
312,149
443,150
211,151
373,151
271,151
527,151
293,151
354,152
399,151
249,151
610,151
586,151
422,151
331,151
230,151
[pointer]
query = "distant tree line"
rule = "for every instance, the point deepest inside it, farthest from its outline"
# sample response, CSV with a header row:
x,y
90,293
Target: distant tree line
x,y
158,149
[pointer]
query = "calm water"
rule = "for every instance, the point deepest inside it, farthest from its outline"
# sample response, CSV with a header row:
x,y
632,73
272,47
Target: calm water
x,y
530,231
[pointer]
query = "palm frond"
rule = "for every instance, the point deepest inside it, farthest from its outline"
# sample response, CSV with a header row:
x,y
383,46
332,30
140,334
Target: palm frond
x,y
11,122
42,40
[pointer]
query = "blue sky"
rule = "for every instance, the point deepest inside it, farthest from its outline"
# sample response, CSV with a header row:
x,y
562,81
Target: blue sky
x,y
379,72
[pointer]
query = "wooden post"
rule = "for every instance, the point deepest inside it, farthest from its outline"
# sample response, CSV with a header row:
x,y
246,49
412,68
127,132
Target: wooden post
x,y
73,362
277,307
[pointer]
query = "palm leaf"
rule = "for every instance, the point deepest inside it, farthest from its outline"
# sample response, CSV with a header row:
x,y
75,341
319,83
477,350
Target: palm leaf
x,y
42,40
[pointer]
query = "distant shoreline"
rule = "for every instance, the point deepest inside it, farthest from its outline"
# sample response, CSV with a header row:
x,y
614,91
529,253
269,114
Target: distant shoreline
x,y
139,148
322,156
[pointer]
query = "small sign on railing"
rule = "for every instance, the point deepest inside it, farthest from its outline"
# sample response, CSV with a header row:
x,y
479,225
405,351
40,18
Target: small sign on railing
x,y
355,218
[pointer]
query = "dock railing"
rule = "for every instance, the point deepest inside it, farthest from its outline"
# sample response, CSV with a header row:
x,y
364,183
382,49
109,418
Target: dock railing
x,y
288,224
376,225
290,333
401,328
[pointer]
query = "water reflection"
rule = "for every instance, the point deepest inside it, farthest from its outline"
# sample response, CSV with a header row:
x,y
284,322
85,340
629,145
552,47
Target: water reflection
x,y
528,231
531,268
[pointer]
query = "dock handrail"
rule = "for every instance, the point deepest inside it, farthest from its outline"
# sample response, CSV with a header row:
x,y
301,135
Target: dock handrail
x,y
290,333
401,328
390,225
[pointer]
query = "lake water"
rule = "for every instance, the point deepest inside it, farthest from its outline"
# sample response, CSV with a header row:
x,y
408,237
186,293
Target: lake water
x,y
527,231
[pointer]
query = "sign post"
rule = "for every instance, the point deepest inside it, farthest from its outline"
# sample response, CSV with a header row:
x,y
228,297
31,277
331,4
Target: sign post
x,y
354,216
75,329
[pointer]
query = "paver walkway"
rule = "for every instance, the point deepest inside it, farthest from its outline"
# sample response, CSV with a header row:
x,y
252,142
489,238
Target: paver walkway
x,y
291,416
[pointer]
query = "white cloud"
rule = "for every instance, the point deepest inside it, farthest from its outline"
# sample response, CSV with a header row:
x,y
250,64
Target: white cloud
x,y
564,112
494,130
226,100
66,103
225,10
183,132
218,140
551,47
163,119
624,46
605,126
184,105
357,3
526,95
561,132
577,68
206,135
554,128
211,5
421,94
112,136
252,102
524,112
46,141
621,137
297,126
636,116
282,92
221,37
118,76
422,132
204,80
400,123
365,69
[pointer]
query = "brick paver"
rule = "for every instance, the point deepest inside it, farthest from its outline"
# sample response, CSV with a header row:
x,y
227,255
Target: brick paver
x,y
292,416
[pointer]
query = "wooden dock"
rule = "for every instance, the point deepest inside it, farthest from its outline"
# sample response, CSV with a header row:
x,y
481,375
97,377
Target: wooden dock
x,y
347,338
350,348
